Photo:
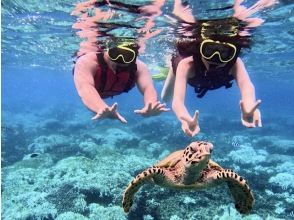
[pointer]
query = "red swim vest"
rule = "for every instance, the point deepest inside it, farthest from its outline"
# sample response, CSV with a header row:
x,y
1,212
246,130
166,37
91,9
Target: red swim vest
x,y
109,84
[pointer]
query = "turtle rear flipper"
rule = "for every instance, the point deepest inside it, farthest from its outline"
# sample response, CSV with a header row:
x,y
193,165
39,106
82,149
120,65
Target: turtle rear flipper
x,y
239,189
136,184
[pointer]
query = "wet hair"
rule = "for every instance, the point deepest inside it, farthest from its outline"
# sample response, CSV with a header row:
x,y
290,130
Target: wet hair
x,y
223,30
114,42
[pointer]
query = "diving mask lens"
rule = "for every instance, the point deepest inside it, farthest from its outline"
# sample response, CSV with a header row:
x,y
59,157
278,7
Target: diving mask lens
x,y
124,54
225,51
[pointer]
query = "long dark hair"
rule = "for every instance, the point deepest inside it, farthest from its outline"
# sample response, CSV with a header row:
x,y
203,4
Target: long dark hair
x,y
224,30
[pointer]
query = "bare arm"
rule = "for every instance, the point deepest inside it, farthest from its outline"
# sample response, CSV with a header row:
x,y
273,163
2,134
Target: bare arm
x,y
85,70
190,125
151,107
145,83
243,80
183,12
168,87
182,74
250,114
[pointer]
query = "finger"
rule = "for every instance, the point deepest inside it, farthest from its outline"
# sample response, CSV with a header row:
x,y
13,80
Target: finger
x,y
259,123
161,105
121,118
97,116
187,132
196,131
196,116
157,104
113,107
256,105
138,111
149,106
247,124
257,120
164,109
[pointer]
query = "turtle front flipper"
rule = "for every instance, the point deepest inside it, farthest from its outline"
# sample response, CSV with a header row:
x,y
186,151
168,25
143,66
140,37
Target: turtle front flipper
x,y
136,183
239,189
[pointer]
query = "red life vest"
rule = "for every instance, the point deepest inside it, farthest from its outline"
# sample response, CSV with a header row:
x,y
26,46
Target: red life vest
x,y
109,84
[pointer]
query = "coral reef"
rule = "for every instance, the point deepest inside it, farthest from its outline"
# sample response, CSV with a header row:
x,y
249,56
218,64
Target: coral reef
x,y
72,169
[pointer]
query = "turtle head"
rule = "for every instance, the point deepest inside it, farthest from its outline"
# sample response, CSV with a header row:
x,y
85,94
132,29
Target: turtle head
x,y
195,159
197,154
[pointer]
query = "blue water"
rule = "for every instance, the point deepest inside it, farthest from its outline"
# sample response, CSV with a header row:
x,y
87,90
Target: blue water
x,y
82,167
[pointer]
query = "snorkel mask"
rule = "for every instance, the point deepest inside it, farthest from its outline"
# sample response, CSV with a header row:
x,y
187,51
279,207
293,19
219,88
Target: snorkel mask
x,y
216,51
216,35
123,53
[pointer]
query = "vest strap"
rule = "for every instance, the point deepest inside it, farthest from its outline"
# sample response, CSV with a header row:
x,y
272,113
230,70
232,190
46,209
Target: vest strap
x,y
103,66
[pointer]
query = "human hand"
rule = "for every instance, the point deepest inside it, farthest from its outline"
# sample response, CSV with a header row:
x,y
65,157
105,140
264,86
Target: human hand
x,y
191,126
109,112
250,116
152,109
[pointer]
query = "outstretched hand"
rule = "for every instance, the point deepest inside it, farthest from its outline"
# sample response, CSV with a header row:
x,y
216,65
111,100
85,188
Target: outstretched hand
x,y
191,126
250,116
109,112
152,109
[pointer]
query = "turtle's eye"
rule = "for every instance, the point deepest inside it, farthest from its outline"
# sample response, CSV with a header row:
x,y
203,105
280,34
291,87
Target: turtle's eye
x,y
194,151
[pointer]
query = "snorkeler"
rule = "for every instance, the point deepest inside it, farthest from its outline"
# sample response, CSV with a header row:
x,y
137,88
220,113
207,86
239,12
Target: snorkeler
x,y
109,73
207,63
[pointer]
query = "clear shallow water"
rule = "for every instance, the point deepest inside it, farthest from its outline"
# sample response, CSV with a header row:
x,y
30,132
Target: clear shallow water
x,y
86,165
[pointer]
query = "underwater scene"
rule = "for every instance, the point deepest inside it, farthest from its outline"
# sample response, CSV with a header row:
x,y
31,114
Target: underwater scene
x,y
139,159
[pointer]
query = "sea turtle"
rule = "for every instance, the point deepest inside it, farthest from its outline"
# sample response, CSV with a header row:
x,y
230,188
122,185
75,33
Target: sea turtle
x,y
192,169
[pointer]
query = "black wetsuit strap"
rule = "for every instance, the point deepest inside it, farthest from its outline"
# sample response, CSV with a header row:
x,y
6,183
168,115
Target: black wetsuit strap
x,y
103,66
